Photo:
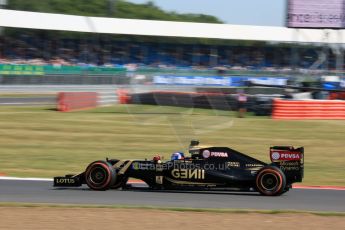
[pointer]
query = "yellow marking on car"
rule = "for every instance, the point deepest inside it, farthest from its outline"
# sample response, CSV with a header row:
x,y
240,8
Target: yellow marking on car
x,y
124,168
118,164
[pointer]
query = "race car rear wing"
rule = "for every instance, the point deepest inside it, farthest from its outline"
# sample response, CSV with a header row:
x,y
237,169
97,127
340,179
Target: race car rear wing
x,y
290,160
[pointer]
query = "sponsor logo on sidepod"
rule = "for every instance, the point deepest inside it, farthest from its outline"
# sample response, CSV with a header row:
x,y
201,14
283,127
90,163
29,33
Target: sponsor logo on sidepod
x,y
219,154
188,173
206,154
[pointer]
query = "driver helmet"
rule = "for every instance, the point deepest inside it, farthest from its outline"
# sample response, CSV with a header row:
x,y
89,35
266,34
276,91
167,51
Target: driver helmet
x,y
156,158
177,156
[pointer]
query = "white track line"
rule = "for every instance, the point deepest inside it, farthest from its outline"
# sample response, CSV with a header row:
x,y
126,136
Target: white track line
x,y
23,178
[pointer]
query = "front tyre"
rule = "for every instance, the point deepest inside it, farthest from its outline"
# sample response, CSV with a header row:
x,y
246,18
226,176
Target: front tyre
x,y
100,175
270,181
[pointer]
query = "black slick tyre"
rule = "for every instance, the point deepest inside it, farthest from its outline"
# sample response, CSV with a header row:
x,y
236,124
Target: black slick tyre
x,y
100,175
270,181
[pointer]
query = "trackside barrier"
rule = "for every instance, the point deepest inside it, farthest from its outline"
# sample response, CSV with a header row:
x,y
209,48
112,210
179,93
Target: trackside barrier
x,y
123,96
185,99
70,101
107,98
308,109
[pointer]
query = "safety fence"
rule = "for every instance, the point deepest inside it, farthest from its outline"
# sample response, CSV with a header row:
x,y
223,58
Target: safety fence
x,y
308,109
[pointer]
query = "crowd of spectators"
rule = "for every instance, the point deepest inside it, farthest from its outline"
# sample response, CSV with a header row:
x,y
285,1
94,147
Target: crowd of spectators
x,y
36,50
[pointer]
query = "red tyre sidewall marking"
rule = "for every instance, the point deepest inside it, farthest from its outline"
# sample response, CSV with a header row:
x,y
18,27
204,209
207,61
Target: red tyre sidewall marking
x,y
105,166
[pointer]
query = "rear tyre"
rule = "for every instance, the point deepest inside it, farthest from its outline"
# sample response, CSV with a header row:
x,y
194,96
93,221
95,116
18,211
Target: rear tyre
x,y
270,181
100,175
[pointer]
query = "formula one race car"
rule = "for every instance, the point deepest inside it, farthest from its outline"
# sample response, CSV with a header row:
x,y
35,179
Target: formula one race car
x,y
207,168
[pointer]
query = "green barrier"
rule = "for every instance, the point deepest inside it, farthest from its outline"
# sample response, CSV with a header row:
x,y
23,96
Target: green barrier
x,y
66,70
36,70
21,70
6,69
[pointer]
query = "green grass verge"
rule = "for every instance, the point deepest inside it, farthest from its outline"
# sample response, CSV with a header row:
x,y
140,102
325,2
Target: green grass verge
x,y
176,209
41,142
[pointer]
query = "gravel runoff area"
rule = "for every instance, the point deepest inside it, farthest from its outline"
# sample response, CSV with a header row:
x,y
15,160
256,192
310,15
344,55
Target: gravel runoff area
x,y
108,218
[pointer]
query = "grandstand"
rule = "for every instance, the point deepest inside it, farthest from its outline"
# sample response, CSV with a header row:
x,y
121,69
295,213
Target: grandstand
x,y
31,48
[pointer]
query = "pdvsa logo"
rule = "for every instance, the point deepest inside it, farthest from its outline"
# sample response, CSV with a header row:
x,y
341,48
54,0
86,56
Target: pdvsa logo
x,y
290,156
219,154
206,154
275,155
285,156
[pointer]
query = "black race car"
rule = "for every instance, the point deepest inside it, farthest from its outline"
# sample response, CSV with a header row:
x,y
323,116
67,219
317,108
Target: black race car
x,y
207,168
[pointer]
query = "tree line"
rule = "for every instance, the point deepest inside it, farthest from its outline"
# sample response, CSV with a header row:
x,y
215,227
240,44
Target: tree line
x,y
108,8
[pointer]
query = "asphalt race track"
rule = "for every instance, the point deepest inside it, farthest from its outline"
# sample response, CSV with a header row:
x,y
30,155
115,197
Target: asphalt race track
x,y
28,101
296,199
52,90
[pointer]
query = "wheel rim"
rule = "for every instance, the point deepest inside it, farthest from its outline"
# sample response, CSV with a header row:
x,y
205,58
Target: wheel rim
x,y
98,175
269,181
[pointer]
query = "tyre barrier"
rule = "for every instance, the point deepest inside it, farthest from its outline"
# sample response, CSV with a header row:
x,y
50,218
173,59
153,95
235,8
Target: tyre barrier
x,y
123,96
71,101
107,98
308,109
